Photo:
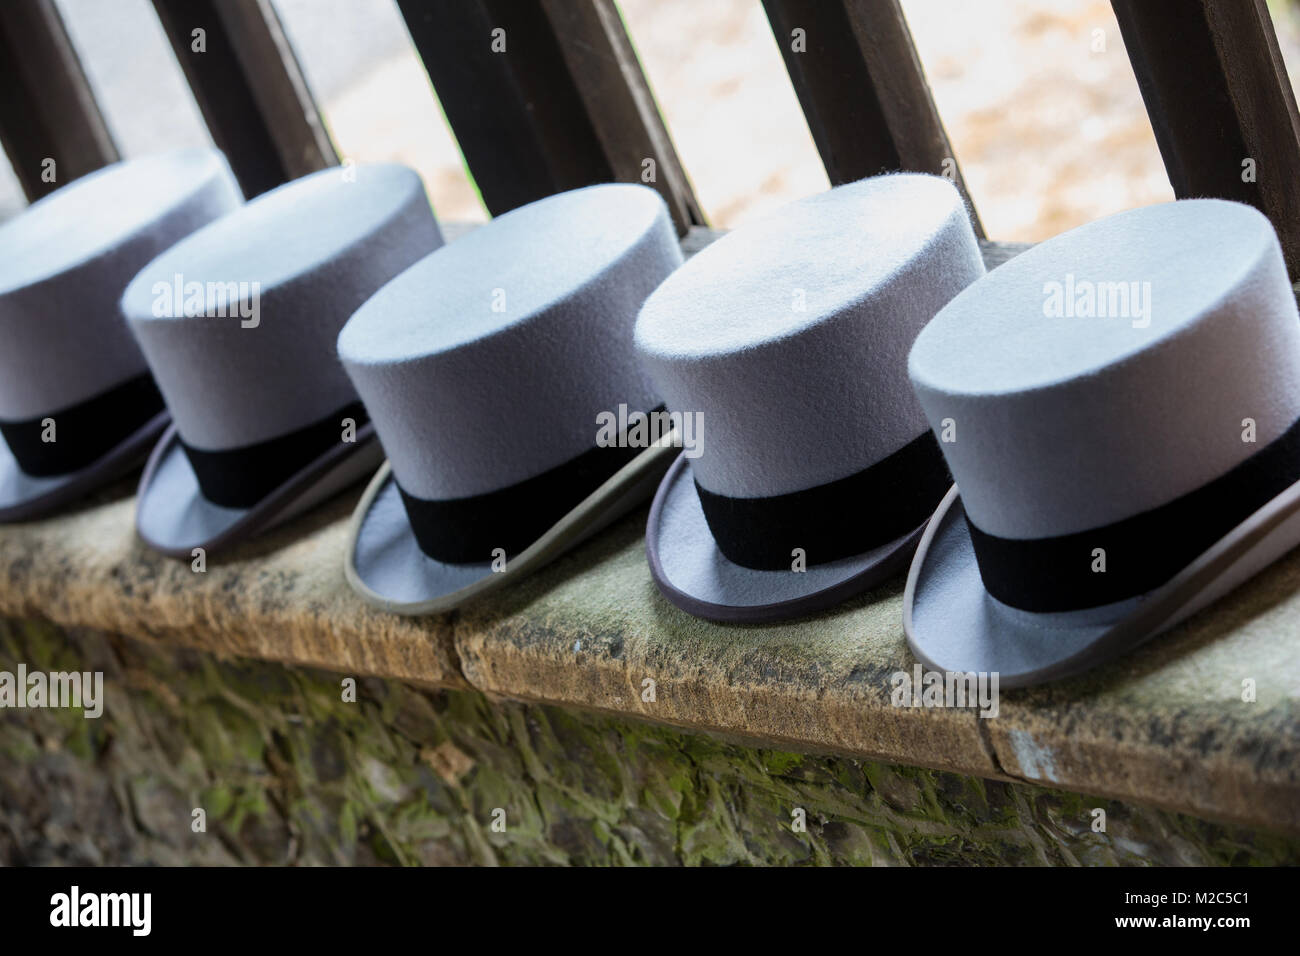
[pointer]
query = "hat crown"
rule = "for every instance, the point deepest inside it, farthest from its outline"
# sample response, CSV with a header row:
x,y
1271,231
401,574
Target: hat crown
x,y
239,321
789,335
67,259
487,362
1112,369
98,211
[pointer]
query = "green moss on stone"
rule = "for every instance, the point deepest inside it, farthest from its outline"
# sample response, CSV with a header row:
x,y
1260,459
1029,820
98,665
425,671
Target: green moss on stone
x,y
286,771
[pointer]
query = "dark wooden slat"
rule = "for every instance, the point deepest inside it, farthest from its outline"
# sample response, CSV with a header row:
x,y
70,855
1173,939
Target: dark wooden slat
x,y
566,104
1218,94
862,89
250,89
47,109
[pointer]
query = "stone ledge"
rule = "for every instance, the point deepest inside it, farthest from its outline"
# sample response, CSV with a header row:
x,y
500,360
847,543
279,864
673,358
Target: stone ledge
x,y
1164,726
280,598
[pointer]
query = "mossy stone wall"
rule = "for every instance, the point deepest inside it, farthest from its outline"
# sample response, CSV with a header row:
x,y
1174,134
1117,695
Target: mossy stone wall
x,y
288,771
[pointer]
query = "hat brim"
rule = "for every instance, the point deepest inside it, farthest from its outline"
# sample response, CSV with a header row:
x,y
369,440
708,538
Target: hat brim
x,y
25,497
953,624
385,566
694,575
173,516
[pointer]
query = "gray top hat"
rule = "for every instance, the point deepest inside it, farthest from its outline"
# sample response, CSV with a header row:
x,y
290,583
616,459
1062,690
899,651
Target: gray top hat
x,y
238,324
487,368
78,407
788,339
1120,408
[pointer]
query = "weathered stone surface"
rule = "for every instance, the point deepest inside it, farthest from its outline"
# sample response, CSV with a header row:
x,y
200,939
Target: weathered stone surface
x,y
286,771
1170,724
594,629
281,597
1165,725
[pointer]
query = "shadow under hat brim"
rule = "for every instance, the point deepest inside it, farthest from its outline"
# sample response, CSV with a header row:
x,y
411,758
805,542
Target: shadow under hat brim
x,y
25,497
953,624
385,566
173,516
694,575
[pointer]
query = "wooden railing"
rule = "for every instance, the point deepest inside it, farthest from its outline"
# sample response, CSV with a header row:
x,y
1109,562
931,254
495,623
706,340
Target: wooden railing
x,y
566,103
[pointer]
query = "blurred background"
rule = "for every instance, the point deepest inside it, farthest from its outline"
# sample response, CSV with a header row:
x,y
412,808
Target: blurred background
x,y
1038,97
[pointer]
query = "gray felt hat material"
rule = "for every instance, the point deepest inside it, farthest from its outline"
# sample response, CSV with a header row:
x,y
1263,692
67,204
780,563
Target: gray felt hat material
x,y
70,370
1122,406
486,368
788,339
238,323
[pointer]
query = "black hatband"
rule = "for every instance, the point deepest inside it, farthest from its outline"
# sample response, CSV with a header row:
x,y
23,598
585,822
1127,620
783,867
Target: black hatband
x,y
85,432
470,529
1141,552
241,477
835,520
